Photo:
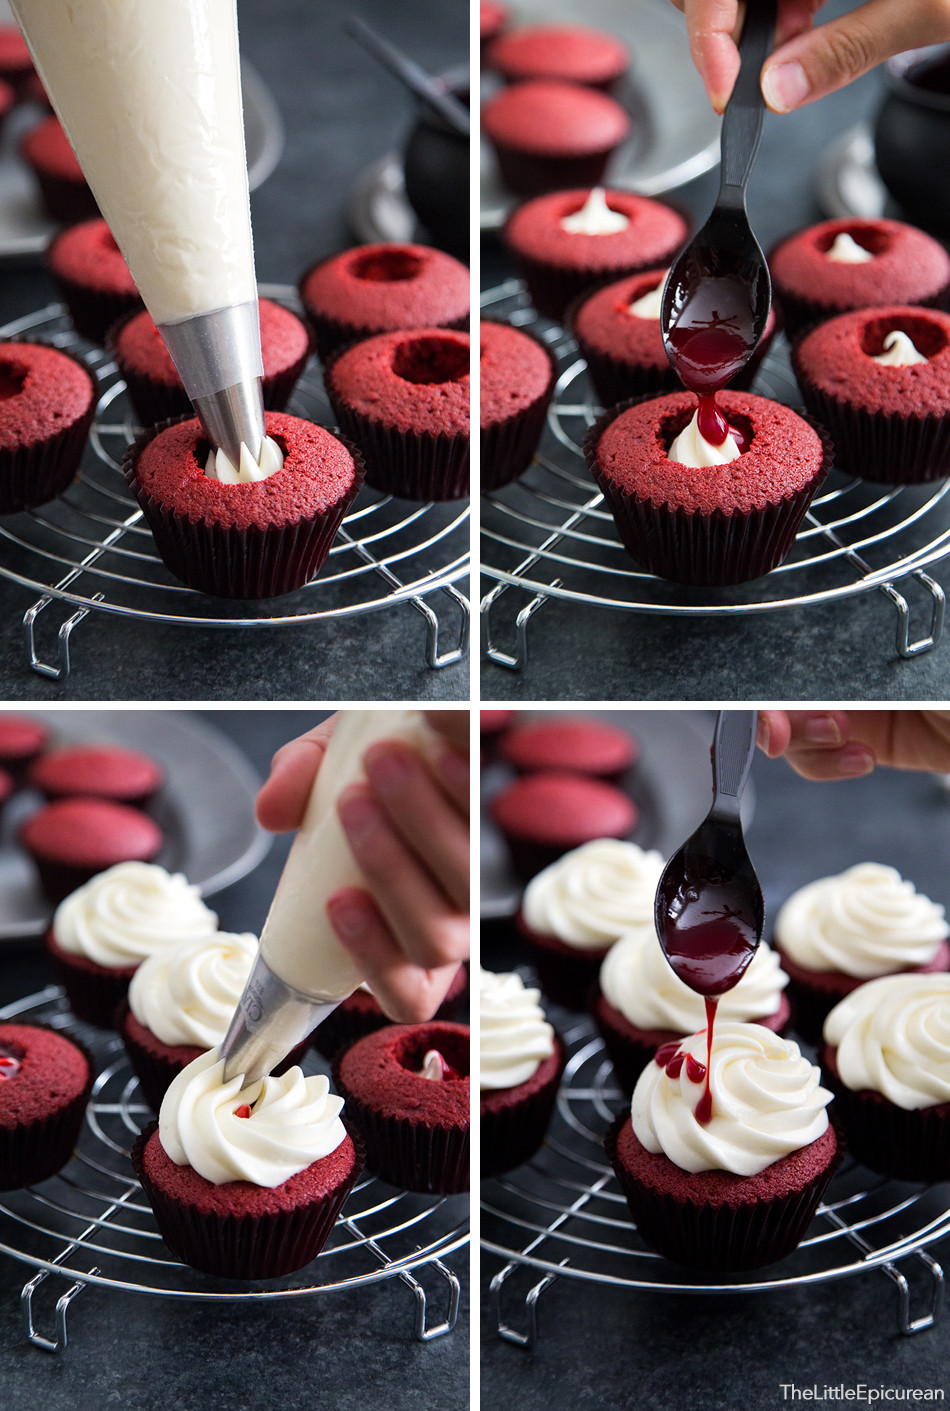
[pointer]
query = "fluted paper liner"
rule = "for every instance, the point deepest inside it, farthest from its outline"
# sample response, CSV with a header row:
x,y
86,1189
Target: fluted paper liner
x,y
34,475
414,1155
508,447
33,1151
511,1135
911,1146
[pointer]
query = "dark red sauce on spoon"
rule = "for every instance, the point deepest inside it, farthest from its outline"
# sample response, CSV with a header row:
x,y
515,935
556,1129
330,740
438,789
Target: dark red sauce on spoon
x,y
708,347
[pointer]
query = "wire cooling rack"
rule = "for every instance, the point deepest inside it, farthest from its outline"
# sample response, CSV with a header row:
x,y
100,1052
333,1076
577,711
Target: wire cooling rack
x,y
91,549
563,1215
92,1226
549,535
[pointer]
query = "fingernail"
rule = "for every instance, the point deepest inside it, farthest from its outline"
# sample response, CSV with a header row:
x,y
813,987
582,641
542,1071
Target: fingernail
x,y
346,916
855,761
785,86
387,770
822,730
763,734
358,813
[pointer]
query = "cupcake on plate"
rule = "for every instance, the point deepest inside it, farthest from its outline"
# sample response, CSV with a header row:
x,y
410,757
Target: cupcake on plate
x,y
360,1014
887,1057
92,278
574,911
572,53
155,389
72,840
98,771
381,288
837,932
848,263
580,744
45,1082
545,815
740,1190
47,408
548,134
46,151
492,19
246,1183
16,61
22,740
102,932
407,1090
707,515
404,398
572,241
521,1059
517,373
879,380
254,533
640,1003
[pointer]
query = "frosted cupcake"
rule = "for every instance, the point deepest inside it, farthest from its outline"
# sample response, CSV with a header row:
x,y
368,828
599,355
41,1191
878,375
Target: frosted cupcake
x,y
835,933
739,1190
103,931
641,1004
521,1059
887,1054
574,911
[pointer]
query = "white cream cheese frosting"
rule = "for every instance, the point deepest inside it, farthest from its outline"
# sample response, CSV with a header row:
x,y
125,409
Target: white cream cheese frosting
x,y
692,449
892,1036
649,305
865,922
846,251
514,1036
188,994
594,893
595,217
637,980
130,911
220,467
293,1122
767,1101
899,351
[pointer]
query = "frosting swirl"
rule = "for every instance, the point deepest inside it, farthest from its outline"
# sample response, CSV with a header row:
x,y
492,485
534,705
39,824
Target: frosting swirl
x,y
293,1122
188,994
767,1102
591,895
690,448
514,1036
127,912
892,1036
865,922
637,980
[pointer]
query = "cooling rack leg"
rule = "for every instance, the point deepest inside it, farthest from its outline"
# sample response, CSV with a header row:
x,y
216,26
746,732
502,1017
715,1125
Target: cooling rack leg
x,y
61,671
905,647
57,1343
434,658
517,660
905,1323
529,1338
421,1332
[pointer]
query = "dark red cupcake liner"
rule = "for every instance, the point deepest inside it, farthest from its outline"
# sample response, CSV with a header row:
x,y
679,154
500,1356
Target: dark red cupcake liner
x,y
252,1246
348,1024
508,447
535,173
565,972
94,311
94,991
910,1146
34,475
65,200
704,551
255,562
416,1156
511,1131
34,1151
800,314
724,1237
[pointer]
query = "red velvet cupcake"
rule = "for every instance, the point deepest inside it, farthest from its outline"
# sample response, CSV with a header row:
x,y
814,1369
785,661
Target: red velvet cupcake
x,y
381,288
492,19
47,404
154,387
879,380
578,744
21,741
254,540
905,267
98,771
714,525
573,53
517,375
45,1082
73,839
45,149
547,134
546,815
91,276
416,1128
7,100
16,62
360,1014
521,1059
558,262
404,398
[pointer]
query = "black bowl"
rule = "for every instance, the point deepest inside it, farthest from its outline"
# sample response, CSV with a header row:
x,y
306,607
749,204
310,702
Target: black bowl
x,y
912,135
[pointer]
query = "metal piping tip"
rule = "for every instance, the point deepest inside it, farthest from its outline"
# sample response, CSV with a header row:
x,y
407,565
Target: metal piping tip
x,y
271,1019
233,416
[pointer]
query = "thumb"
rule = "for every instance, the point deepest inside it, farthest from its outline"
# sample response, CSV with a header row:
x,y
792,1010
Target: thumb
x,y
829,57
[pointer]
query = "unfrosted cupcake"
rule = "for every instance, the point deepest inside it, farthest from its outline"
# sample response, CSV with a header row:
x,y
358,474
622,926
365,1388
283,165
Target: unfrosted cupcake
x,y
102,932
547,814
517,373
22,740
91,275
576,909
98,771
837,932
66,195
887,1055
45,1082
547,133
571,52
521,1058
360,1014
738,1191
73,840
640,1004
46,409
246,1184
579,743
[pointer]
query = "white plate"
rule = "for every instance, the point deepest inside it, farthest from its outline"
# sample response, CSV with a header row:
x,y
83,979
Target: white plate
x,y
205,807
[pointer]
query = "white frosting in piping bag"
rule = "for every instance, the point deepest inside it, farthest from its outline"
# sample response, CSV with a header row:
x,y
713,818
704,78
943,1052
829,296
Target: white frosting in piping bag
x,y
899,351
219,467
129,911
595,217
847,251
893,1037
692,449
594,893
187,994
514,1036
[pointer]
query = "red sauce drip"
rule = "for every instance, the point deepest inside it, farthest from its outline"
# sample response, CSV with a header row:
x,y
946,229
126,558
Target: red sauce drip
x,y
714,427
675,1065
665,1052
695,1071
242,1111
708,348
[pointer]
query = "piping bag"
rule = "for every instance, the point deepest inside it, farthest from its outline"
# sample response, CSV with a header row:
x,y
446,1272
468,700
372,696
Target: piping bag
x,y
149,93
302,972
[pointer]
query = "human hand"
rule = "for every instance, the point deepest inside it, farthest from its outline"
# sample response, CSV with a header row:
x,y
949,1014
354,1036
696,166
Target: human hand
x,y
407,826
844,744
808,62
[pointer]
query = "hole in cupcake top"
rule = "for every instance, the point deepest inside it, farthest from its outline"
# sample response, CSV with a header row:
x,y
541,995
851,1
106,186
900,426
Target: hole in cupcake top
x,y
927,336
672,425
387,266
869,237
453,1049
12,378
431,359
203,449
